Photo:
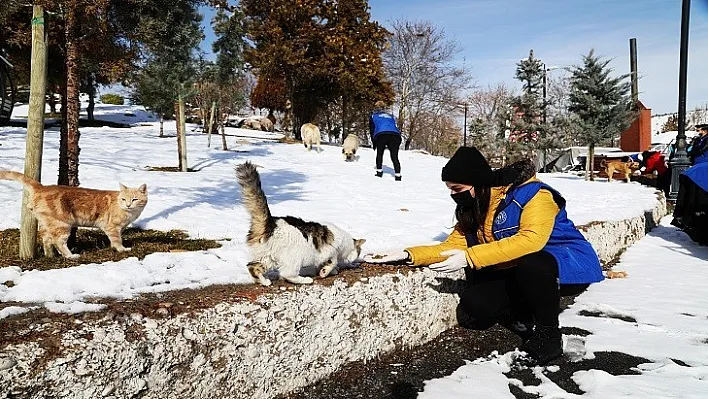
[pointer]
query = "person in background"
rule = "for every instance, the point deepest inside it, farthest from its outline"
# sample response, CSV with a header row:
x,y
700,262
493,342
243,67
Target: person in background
x,y
653,161
698,153
385,134
519,251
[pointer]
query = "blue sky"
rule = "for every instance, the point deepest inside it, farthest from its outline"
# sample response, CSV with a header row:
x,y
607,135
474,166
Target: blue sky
x,y
495,34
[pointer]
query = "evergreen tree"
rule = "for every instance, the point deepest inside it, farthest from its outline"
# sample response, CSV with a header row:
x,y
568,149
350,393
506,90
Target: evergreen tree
x,y
325,50
269,93
354,44
671,124
156,89
528,130
600,103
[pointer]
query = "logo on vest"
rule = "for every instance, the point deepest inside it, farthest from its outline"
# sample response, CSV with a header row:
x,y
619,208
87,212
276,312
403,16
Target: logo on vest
x,y
501,218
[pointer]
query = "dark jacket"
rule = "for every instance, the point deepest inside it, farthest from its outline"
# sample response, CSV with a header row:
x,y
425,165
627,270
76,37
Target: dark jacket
x,y
699,150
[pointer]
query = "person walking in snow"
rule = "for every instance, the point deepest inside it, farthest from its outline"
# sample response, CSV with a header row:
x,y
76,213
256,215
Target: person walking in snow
x,y
385,134
519,251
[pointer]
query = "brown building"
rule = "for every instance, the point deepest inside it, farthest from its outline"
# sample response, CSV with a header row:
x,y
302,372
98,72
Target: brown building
x,y
637,137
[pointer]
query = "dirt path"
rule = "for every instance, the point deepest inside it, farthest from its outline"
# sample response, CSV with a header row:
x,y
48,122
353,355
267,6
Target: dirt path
x,y
400,375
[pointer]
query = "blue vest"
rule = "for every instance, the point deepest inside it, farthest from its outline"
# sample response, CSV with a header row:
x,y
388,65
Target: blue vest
x,y
383,123
577,260
703,157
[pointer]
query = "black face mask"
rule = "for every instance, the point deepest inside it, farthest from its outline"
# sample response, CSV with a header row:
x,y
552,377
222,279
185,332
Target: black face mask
x,y
464,199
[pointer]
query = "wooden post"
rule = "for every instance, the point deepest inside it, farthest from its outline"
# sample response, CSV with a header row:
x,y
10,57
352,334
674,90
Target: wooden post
x,y
35,129
211,123
182,139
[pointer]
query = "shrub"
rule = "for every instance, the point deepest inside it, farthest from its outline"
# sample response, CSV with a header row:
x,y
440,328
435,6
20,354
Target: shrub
x,y
112,98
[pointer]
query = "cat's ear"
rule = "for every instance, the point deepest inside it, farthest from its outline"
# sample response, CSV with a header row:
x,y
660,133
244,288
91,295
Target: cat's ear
x,y
143,188
122,187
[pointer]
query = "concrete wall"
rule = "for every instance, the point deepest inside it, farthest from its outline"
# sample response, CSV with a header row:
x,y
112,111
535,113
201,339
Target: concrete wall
x,y
277,343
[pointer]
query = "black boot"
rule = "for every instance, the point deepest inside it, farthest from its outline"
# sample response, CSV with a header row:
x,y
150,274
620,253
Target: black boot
x,y
545,344
523,329
397,176
379,173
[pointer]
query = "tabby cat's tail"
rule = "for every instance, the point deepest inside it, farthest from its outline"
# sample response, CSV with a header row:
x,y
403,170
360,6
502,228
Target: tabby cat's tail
x,y
262,223
20,178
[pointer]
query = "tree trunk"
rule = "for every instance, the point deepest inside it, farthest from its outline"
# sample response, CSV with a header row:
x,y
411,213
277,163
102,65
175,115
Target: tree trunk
x,y
63,178
92,98
182,134
345,120
590,163
72,96
178,126
35,129
162,123
223,136
211,123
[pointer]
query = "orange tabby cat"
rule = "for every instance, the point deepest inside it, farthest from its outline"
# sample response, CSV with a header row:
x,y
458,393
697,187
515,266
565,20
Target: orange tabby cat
x,y
59,208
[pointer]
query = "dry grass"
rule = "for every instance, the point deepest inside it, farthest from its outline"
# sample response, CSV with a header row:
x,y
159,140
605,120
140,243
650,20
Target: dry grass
x,y
94,247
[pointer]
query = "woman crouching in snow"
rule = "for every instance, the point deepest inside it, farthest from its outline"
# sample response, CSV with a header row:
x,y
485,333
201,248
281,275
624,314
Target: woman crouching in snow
x,y
522,251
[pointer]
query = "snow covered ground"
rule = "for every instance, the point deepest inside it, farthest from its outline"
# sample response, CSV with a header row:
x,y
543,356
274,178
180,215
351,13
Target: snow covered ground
x,y
320,187
664,293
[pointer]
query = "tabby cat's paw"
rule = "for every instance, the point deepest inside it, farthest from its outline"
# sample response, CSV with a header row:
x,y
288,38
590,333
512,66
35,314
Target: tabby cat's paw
x,y
124,249
73,256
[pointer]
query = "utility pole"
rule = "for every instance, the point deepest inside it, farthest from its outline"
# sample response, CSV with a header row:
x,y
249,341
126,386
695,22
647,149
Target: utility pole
x,y
680,161
35,128
545,81
633,70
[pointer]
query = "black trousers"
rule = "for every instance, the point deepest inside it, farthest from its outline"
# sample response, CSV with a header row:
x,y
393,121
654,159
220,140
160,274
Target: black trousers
x,y
663,182
691,210
392,142
528,292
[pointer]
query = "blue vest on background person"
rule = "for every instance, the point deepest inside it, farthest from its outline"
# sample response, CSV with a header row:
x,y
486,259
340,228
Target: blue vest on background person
x,y
701,143
577,260
383,123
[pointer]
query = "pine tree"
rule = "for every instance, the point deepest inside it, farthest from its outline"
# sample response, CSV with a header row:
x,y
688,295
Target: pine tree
x,y
156,89
354,45
671,124
325,50
528,130
600,103
229,47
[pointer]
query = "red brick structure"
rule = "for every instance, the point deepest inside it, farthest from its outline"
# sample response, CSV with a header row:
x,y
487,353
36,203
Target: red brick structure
x,y
637,137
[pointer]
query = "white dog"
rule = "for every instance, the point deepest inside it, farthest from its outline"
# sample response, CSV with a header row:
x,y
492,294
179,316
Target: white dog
x,y
349,147
310,136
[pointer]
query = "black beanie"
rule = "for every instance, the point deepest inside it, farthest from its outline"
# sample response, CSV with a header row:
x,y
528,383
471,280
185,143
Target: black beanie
x,y
468,166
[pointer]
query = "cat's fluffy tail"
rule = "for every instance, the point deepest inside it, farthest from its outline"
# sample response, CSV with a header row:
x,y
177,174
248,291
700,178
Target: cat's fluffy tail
x,y
20,178
262,223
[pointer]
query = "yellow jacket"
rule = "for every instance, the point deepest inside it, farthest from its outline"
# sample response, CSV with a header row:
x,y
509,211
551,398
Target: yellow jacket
x,y
535,227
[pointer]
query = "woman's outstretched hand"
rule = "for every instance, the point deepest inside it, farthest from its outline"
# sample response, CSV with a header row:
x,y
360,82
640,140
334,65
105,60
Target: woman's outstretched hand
x,y
456,261
392,256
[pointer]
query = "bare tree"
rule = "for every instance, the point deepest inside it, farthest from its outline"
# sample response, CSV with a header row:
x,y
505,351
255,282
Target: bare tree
x,y
419,64
487,109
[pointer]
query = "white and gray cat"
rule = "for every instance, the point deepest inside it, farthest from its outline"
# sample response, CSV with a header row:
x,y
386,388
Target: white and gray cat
x,y
289,244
